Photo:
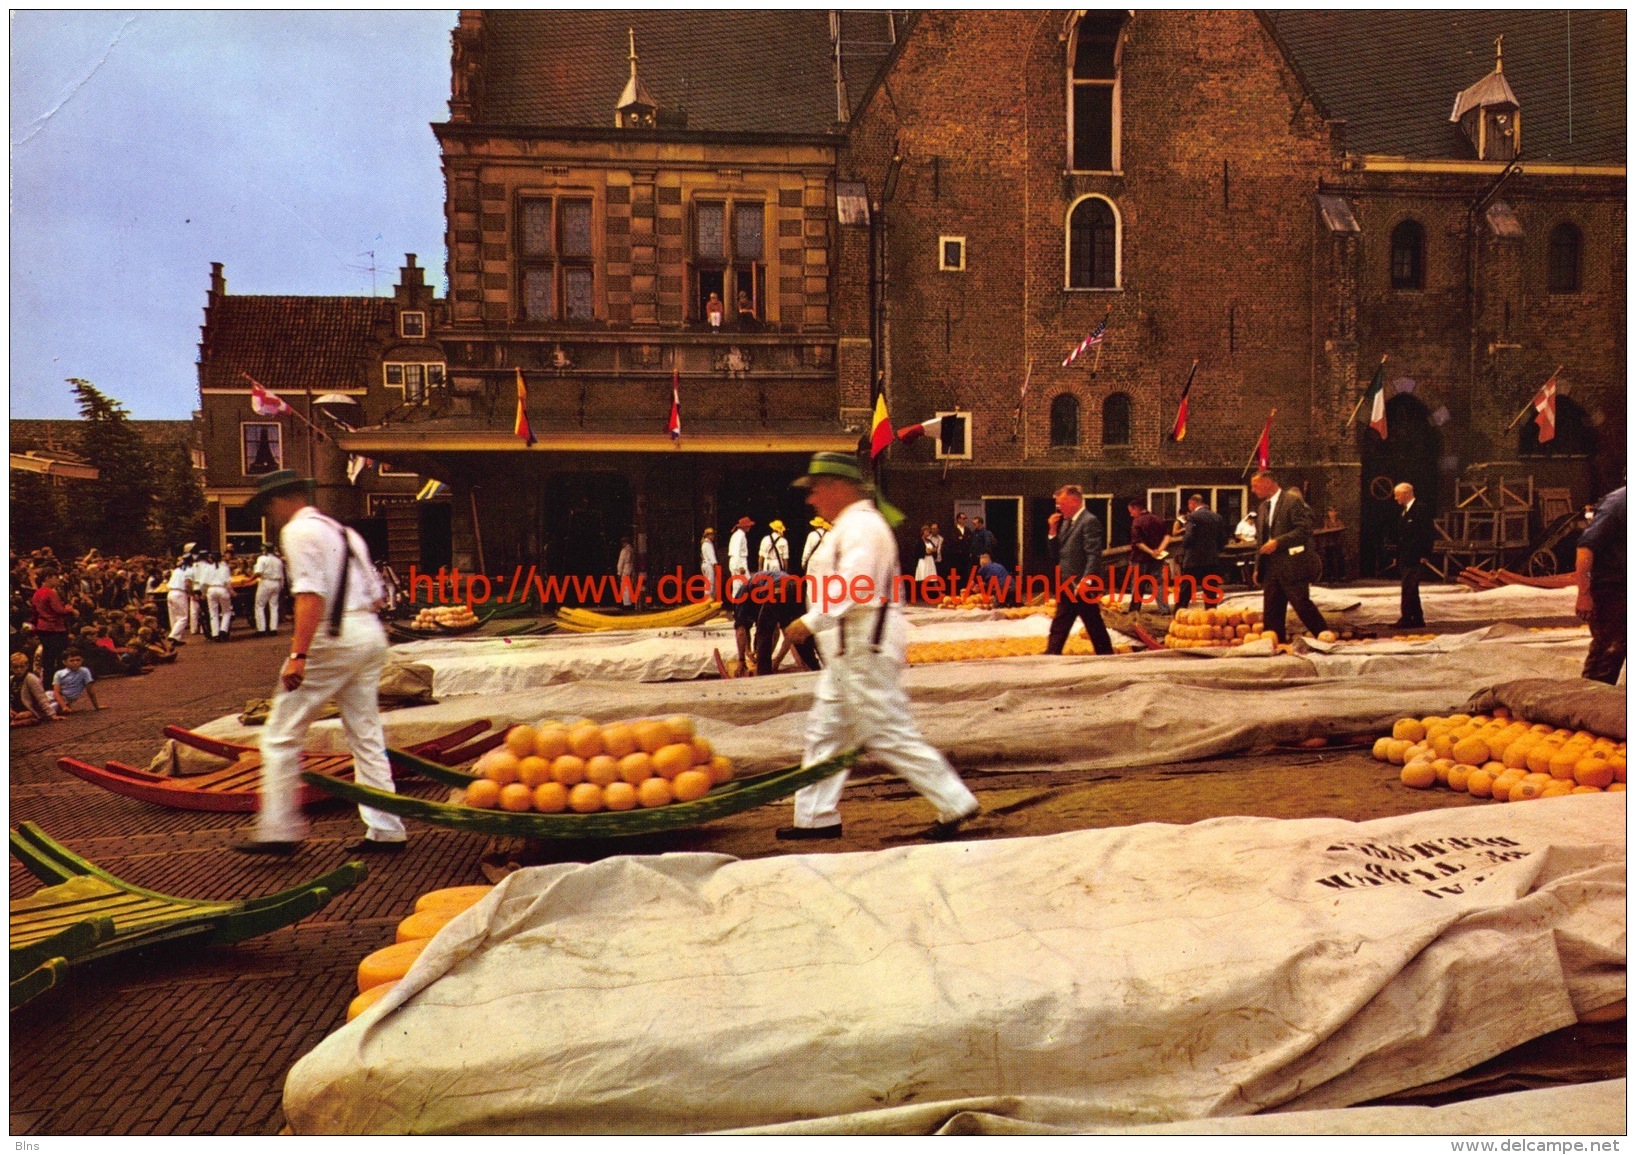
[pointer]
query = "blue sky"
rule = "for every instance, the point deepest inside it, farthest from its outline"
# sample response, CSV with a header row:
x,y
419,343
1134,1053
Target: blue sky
x,y
145,145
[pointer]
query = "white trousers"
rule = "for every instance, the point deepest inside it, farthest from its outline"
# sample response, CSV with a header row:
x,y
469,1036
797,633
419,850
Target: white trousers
x,y
194,604
347,669
220,601
179,604
267,605
860,703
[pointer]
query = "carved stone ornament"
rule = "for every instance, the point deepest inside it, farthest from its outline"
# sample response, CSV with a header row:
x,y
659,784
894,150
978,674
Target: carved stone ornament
x,y
560,361
735,362
646,356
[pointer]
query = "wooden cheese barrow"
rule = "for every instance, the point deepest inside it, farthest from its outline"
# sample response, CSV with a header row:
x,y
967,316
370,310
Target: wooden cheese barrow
x,y
235,787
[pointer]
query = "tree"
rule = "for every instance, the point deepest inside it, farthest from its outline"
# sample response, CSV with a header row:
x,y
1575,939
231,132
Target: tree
x,y
118,504
37,516
179,510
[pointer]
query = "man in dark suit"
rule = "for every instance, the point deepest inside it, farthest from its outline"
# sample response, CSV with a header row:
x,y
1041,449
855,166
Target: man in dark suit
x,y
1204,535
1287,560
1413,535
1076,548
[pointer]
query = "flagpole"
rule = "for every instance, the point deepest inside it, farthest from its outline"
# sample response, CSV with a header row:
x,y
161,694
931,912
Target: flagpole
x,y
1530,403
1022,397
1361,397
1265,430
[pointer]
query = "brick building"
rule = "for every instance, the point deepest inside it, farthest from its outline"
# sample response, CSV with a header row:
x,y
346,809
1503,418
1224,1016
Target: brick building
x,y
336,362
1226,186
612,179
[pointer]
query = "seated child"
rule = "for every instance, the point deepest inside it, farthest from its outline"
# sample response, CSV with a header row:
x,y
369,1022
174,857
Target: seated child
x,y
73,683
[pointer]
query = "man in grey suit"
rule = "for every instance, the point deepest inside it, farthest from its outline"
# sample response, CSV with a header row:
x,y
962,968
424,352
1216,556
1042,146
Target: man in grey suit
x,y
1288,561
1076,547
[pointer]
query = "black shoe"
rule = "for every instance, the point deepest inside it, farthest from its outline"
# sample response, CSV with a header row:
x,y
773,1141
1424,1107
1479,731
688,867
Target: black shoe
x,y
258,846
375,846
945,831
802,833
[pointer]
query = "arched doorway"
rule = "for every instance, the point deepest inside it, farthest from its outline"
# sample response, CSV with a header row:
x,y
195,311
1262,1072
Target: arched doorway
x,y
1410,453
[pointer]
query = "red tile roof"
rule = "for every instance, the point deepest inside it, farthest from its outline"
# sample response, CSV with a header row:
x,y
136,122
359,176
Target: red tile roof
x,y
290,343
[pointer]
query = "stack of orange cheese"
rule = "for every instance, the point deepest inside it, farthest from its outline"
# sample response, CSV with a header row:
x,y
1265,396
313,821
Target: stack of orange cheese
x,y
1501,757
380,972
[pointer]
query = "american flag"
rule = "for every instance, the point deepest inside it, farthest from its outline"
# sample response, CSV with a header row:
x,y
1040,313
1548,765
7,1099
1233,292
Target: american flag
x,y
1094,337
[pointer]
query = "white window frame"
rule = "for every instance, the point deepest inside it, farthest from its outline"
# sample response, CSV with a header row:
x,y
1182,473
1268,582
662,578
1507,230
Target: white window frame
x,y
937,446
1211,491
244,457
1118,247
942,264
1117,84
403,323
426,385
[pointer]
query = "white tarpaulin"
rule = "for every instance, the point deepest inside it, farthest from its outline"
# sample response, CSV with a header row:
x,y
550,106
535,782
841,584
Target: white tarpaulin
x,y
1575,1109
1095,712
1380,605
1155,973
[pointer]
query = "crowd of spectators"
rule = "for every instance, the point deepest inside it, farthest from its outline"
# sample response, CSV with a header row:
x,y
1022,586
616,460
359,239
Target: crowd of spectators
x,y
74,622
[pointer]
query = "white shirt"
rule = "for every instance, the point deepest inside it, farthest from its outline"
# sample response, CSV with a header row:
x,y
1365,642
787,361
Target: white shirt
x,y
196,575
860,550
269,568
215,575
813,539
626,565
179,578
774,554
738,552
312,543
1272,511
707,556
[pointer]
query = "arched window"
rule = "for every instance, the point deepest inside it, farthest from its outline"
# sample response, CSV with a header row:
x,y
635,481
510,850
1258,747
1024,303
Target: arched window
x,y
1064,421
1562,272
1116,419
1093,244
1409,256
1093,92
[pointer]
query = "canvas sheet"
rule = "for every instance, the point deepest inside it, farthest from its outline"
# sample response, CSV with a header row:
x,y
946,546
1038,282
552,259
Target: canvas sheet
x,y
1381,605
474,665
1577,1109
1148,709
1154,973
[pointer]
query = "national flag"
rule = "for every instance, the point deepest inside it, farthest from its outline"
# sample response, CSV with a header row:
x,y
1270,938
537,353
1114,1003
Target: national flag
x,y
1263,448
1093,338
880,429
1377,403
909,434
521,427
1545,410
267,403
1178,431
675,424
432,489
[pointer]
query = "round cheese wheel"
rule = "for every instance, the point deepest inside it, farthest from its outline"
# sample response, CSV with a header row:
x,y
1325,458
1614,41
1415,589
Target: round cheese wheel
x,y
389,964
368,999
424,924
453,898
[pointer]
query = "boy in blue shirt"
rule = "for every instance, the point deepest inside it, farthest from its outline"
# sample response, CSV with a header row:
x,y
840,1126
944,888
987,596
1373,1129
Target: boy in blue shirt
x,y
72,683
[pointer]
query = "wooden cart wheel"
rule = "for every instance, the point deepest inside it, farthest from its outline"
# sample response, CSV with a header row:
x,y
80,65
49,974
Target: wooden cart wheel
x,y
1542,563
1381,489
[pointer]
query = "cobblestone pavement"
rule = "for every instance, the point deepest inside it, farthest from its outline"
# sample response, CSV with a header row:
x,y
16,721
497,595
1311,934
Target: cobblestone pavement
x,y
198,1041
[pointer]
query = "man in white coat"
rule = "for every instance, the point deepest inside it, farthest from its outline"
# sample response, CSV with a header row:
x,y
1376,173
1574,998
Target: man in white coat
x,y
708,563
336,653
269,573
862,636
738,596
625,571
179,599
217,580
